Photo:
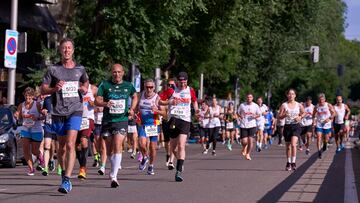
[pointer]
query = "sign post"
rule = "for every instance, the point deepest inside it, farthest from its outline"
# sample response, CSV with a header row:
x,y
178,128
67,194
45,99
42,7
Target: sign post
x,y
11,49
10,54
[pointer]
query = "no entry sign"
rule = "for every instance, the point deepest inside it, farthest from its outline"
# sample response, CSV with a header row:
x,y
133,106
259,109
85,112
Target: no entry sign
x,y
10,54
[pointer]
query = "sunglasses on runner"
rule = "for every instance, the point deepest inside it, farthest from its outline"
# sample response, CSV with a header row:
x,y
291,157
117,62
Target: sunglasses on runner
x,y
149,87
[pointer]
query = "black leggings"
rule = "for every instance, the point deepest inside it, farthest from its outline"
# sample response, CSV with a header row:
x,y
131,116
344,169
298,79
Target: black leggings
x,y
213,135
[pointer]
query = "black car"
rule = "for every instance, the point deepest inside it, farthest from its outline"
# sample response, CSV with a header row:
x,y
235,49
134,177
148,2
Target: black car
x,y
8,140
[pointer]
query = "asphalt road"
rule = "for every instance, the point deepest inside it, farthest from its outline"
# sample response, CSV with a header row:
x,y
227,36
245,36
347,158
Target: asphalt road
x,y
227,177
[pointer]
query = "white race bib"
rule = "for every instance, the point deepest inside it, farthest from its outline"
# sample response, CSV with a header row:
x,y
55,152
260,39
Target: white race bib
x,y
98,118
48,119
118,107
151,130
28,122
230,125
70,89
85,124
179,111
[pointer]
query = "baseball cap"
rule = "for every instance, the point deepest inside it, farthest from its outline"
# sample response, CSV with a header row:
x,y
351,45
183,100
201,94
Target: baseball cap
x,y
182,76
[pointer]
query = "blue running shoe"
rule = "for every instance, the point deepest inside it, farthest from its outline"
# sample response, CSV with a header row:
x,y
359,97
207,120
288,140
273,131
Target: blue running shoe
x,y
342,146
338,150
143,163
65,186
178,177
270,141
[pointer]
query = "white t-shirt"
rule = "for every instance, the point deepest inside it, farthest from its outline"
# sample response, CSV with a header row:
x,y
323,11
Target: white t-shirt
x,y
308,119
248,113
340,113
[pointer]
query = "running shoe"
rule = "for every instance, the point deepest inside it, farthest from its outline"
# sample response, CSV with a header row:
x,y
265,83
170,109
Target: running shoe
x,y
324,148
40,163
293,166
45,172
338,150
270,141
143,163
223,142
288,167
342,146
82,173
266,147
247,157
229,147
114,183
150,170
307,151
130,150
31,171
133,155
300,148
139,157
171,166
65,186
51,165
59,170
205,151
213,153
178,177
101,171
258,149
319,154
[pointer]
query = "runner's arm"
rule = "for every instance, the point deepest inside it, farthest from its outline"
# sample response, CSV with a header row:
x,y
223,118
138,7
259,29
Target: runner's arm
x,y
348,112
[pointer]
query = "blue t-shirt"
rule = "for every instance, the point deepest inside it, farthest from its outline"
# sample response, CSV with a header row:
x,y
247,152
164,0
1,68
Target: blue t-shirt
x,y
268,120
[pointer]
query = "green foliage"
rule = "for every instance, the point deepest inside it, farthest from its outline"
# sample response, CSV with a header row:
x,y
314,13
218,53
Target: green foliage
x,y
263,43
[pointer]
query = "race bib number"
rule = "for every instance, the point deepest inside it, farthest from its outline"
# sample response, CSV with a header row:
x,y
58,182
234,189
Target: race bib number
x,y
98,118
85,124
151,130
118,107
28,122
179,111
70,89
230,125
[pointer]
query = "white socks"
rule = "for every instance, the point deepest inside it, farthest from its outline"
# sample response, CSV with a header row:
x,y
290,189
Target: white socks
x,y
291,159
115,164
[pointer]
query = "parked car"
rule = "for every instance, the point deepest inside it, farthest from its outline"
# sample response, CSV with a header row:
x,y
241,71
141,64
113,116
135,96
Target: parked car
x,y
10,143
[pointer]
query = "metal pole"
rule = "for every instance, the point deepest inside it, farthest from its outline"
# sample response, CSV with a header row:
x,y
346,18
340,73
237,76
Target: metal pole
x,y
12,71
236,94
201,86
133,68
157,79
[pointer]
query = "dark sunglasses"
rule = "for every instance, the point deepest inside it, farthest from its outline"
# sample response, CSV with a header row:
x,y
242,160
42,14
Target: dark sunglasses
x,y
149,87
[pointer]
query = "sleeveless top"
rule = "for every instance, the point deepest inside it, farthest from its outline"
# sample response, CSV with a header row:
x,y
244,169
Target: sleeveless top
x,y
340,113
148,117
291,114
183,109
215,121
323,113
29,124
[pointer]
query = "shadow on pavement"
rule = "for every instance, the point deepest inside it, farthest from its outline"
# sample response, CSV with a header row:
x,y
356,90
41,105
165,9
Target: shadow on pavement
x,y
356,165
275,194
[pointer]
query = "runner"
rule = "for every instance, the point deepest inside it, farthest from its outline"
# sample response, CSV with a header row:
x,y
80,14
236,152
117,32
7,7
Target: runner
x,y
99,142
31,130
248,113
214,125
260,122
49,137
149,129
230,118
293,112
324,113
86,129
132,137
307,124
180,100
66,82
165,125
113,94
280,123
269,127
204,117
342,114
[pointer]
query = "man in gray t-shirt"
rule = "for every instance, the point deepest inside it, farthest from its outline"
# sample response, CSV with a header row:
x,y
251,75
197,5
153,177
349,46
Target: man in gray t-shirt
x,y
66,81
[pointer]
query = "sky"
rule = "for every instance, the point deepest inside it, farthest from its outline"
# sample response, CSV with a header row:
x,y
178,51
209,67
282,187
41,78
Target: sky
x,y
352,31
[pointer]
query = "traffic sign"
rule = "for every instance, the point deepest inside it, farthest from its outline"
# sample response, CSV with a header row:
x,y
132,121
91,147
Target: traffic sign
x,y
10,54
